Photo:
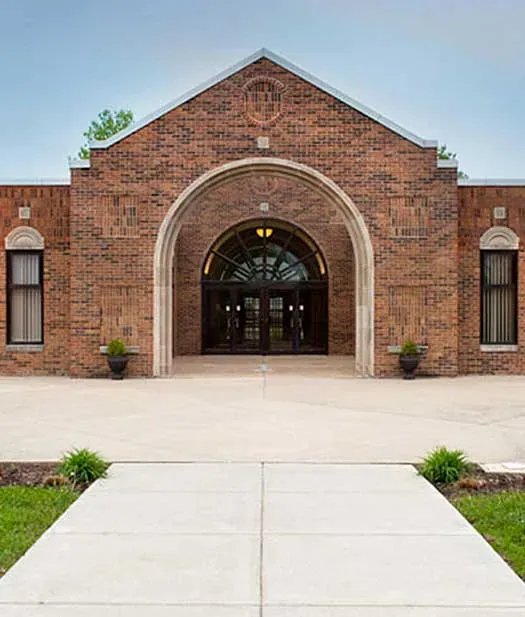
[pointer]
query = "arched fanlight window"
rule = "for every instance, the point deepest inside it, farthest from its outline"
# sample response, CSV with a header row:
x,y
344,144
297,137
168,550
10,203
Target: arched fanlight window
x,y
264,250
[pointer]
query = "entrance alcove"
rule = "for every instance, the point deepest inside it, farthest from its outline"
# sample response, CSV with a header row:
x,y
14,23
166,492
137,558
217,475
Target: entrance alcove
x,y
263,256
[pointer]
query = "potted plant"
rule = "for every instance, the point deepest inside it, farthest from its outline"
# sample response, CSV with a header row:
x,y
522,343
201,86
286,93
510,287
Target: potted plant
x,y
409,359
117,358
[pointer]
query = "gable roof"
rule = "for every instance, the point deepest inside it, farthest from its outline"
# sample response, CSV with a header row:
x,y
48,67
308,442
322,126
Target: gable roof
x,y
292,68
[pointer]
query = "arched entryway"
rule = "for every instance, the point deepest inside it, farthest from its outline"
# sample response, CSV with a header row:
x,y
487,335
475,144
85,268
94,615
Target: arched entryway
x,y
264,290
350,215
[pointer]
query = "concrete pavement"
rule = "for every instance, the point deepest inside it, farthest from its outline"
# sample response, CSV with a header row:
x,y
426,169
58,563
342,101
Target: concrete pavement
x,y
308,412
261,540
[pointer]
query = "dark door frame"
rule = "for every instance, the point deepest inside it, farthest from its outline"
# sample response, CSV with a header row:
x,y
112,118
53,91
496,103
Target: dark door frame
x,y
263,289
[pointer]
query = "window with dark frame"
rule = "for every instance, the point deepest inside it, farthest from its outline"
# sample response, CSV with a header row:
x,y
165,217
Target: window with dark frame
x,y
25,297
499,319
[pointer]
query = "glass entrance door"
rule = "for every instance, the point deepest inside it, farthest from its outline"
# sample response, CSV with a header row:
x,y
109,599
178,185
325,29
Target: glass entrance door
x,y
247,321
265,289
312,316
281,322
217,323
268,319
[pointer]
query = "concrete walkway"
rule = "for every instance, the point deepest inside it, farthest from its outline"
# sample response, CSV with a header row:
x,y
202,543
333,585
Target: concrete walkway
x,y
309,415
270,540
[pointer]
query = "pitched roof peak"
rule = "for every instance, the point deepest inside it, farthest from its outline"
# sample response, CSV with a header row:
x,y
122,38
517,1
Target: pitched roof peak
x,y
263,52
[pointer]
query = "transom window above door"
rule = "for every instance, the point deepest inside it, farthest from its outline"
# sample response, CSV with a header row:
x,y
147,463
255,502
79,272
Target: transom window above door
x,y
264,250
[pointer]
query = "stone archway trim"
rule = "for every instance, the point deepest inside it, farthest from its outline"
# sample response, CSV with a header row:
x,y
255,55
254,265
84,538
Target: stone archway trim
x,y
499,238
354,222
24,238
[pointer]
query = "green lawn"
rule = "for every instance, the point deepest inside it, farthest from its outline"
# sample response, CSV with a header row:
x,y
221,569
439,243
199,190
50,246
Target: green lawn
x,y
500,517
25,513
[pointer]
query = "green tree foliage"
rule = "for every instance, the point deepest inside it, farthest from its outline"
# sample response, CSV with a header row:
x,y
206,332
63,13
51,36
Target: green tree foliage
x,y
107,124
447,155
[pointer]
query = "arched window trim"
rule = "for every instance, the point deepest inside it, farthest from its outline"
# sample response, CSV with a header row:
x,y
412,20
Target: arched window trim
x,y
24,239
499,238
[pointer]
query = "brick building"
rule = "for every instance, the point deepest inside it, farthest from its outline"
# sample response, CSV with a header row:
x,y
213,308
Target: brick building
x,y
264,212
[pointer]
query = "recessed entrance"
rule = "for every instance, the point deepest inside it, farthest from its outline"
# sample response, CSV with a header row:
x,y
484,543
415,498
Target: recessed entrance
x,y
265,290
166,323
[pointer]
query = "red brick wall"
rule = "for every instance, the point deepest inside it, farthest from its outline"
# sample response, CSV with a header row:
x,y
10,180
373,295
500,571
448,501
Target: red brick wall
x,y
476,207
112,266
50,216
117,207
380,171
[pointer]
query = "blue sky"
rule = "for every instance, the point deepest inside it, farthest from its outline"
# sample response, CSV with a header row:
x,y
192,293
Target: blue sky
x,y
451,70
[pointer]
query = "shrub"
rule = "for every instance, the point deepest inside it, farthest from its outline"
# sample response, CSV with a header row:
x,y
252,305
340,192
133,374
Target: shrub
x,y
409,348
443,466
83,466
117,347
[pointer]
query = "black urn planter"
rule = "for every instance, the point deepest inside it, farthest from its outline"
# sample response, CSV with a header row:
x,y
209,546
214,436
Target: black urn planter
x,y
117,364
409,364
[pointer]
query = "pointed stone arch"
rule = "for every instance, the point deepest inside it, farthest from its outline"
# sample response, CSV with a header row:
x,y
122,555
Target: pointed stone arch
x,y
355,225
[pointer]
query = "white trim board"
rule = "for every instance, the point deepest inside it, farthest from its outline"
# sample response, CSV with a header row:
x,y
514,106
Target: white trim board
x,y
491,182
36,182
292,68
452,163
79,163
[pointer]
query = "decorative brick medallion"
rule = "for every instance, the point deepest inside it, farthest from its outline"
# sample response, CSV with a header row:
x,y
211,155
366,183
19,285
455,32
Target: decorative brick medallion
x,y
263,99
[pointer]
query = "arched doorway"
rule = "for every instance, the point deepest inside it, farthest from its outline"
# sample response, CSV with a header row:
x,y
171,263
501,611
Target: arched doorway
x,y
264,290
353,221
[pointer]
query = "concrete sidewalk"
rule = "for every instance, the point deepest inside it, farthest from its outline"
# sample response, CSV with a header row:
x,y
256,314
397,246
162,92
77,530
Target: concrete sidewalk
x,y
274,417
270,540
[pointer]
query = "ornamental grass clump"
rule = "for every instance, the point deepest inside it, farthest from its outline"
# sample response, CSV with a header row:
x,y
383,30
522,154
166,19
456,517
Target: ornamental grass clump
x,y
83,466
443,466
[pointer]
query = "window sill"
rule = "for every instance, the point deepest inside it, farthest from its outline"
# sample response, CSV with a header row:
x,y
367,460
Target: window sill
x,y
25,347
498,348
132,349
